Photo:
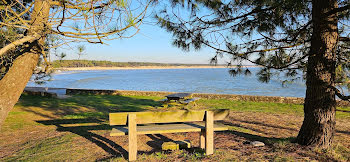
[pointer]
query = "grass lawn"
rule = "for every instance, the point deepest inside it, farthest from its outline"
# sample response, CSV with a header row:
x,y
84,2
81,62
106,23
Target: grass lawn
x,y
76,129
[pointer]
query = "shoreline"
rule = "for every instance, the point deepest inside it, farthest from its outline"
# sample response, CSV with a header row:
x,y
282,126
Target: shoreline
x,y
135,68
140,67
239,97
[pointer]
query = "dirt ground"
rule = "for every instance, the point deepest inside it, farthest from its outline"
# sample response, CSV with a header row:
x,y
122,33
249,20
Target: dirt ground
x,y
43,136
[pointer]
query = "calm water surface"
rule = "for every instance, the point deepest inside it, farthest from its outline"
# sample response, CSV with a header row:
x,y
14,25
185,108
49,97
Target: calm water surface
x,y
175,80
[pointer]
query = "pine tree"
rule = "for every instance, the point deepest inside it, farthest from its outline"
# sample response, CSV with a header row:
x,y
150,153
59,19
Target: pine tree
x,y
284,37
70,21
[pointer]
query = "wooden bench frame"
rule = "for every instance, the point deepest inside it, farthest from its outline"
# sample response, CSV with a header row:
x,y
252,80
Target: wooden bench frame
x,y
172,119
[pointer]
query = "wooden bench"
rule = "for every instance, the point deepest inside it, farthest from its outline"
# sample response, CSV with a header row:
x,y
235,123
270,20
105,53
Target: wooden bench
x,y
168,122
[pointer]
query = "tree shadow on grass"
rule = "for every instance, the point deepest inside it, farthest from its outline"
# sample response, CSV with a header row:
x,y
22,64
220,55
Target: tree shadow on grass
x,y
85,105
89,109
84,131
346,111
106,144
267,125
158,140
293,148
343,132
86,113
241,126
264,124
156,143
251,137
266,140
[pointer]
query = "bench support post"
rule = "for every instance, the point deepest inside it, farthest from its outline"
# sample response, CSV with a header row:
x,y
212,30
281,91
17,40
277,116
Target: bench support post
x,y
209,132
202,139
132,137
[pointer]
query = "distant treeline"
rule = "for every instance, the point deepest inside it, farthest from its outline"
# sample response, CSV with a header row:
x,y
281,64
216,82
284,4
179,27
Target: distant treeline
x,y
93,63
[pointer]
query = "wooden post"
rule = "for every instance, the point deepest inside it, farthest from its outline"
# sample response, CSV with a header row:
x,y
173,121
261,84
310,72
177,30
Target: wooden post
x,y
209,132
132,137
202,139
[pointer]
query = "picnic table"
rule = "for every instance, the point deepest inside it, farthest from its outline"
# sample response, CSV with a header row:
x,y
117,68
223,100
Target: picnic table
x,y
182,98
178,96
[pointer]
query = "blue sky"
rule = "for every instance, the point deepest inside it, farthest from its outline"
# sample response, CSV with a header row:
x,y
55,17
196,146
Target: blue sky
x,y
151,44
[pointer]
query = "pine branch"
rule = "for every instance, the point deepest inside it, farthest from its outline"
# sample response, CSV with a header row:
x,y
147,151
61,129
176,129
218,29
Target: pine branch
x,y
217,22
337,10
257,63
70,5
344,39
19,42
339,94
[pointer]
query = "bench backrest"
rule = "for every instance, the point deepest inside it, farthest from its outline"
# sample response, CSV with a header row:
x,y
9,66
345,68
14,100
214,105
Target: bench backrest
x,y
165,117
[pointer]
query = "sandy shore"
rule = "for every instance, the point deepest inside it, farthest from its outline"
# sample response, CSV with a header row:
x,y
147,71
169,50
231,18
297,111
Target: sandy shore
x,y
139,67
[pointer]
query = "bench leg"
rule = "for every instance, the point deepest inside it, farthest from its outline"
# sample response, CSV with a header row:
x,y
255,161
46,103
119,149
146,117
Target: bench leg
x,y
132,137
209,132
202,139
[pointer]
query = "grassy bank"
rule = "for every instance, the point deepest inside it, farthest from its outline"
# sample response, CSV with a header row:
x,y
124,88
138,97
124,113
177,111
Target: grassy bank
x,y
76,129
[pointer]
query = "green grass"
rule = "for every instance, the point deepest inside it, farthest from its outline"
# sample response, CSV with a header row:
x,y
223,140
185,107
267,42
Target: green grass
x,y
19,120
246,106
103,104
100,103
265,107
44,150
86,115
50,129
343,112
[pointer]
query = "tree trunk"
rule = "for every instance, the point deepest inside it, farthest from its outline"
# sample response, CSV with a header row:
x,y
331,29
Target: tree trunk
x,y
319,107
15,80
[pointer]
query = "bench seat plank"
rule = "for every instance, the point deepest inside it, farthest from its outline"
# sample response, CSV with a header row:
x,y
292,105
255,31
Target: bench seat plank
x,y
165,117
166,128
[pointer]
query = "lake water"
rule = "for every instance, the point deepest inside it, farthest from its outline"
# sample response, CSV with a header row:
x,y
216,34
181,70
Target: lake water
x,y
174,80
